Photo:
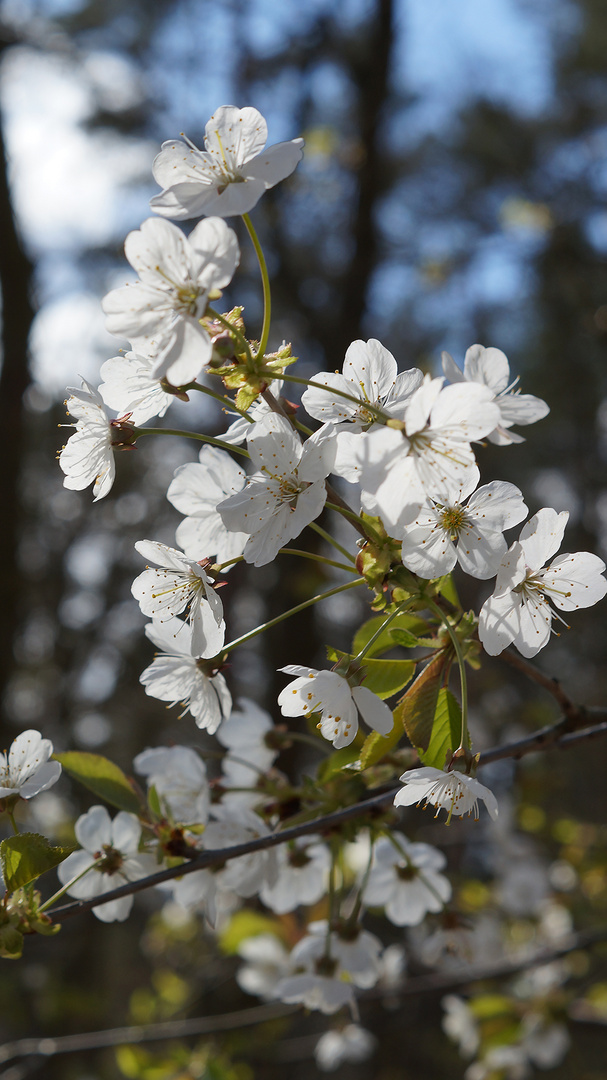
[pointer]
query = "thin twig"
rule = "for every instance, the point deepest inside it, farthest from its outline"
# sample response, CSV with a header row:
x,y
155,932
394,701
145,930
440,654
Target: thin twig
x,y
542,740
169,1029
574,714
431,983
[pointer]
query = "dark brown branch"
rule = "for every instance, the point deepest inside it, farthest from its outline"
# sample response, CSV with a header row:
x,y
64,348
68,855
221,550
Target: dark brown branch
x,y
574,715
432,983
170,1029
542,740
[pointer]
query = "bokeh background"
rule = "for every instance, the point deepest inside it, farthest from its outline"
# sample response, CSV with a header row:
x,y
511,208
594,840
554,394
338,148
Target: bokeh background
x,y
452,191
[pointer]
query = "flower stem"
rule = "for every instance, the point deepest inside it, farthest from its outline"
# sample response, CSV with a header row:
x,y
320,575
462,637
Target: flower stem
x,y
223,399
292,611
61,892
317,558
138,432
401,607
265,280
331,540
379,414
11,818
461,663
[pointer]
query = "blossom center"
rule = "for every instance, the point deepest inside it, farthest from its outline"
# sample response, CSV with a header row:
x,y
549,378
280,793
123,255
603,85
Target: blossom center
x,y
111,859
452,519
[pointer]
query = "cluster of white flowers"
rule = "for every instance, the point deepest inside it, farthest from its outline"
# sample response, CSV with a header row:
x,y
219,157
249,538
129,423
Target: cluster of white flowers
x,y
404,444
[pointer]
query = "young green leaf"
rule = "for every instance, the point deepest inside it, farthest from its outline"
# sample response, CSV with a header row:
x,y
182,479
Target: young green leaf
x,y
26,856
102,777
446,730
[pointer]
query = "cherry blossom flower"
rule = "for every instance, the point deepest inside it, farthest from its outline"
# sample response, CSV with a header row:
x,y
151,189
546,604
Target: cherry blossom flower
x,y
326,967
177,584
338,703
88,456
196,490
446,531
26,770
179,776
130,388
461,1025
399,470
179,678
287,492
490,368
246,874
244,735
519,610
351,1043
451,791
267,961
116,843
303,868
160,314
370,373
230,175
240,427
406,882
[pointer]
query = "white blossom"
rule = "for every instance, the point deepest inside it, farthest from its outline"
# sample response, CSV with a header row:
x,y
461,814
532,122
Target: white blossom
x,y
230,175
116,843
88,456
351,1043
451,791
338,703
25,769
244,736
240,427
179,776
178,677
177,584
285,494
160,314
406,882
447,531
246,874
490,367
325,981
399,470
196,490
370,374
303,868
519,610
460,1024
267,961
129,387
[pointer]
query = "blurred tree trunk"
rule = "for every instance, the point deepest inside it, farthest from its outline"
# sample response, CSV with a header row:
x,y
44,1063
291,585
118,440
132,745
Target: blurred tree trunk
x,y
17,316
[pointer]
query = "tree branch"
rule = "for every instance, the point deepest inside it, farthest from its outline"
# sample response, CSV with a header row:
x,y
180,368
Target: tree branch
x,y
542,740
431,983
574,715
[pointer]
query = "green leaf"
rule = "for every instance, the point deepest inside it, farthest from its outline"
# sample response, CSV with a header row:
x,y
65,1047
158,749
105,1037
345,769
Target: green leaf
x,y
446,730
337,761
446,588
154,802
26,856
101,777
411,623
382,677
387,677
415,710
